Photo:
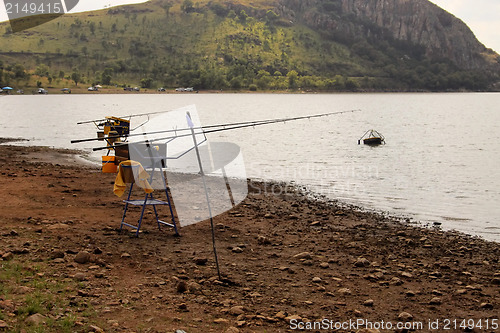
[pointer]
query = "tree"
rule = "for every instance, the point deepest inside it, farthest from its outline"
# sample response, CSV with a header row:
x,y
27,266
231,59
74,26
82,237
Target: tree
x,y
166,6
18,70
76,77
187,6
147,82
292,79
106,76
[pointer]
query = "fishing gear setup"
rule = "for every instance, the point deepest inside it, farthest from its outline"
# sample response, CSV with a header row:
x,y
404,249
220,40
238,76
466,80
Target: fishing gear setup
x,y
192,171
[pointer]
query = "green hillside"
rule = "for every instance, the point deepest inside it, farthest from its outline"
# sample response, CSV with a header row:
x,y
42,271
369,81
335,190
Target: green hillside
x,y
217,45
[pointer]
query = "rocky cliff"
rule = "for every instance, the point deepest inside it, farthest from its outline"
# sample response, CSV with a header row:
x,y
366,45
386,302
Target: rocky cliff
x,y
416,22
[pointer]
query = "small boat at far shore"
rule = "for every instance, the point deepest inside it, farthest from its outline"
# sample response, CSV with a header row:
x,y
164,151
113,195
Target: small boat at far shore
x,y
372,138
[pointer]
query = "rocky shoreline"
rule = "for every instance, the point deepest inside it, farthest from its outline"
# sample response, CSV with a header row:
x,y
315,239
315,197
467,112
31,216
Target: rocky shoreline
x,y
288,262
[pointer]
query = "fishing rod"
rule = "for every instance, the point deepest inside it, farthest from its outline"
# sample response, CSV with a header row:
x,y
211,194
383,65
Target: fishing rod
x,y
129,116
223,127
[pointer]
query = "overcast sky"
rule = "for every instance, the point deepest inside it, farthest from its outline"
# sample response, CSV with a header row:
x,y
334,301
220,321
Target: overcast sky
x,y
482,16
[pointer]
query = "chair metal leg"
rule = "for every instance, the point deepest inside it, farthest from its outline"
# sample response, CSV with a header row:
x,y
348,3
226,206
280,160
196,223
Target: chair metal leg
x,y
126,206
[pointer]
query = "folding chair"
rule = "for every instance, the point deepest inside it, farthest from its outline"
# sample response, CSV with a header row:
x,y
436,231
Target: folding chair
x,y
130,173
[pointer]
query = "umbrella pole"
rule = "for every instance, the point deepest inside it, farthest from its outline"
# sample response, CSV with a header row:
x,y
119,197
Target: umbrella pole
x,y
190,123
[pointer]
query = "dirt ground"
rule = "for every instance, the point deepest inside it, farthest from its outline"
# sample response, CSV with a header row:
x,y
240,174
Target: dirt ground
x,y
287,262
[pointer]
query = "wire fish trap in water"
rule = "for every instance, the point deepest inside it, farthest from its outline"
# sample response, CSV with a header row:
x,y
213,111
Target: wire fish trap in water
x,y
372,138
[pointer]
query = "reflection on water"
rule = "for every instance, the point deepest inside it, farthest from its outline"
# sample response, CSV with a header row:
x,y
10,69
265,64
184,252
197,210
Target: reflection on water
x,y
439,163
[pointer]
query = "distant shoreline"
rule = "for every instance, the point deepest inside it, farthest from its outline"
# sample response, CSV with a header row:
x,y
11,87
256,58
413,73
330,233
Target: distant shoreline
x,y
171,91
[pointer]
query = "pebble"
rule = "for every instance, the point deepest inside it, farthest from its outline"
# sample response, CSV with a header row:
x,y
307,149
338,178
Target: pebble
x,y
3,324
221,321
324,265
344,291
125,255
303,255
237,310
405,316
80,276
293,317
362,262
94,328
35,319
496,281
232,330
396,281
368,302
263,240
237,249
82,257
200,261
181,287
194,287
435,301
316,279
410,293
7,256
487,306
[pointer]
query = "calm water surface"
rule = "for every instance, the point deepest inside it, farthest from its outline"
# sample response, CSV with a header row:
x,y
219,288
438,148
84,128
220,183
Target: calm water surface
x,y
440,163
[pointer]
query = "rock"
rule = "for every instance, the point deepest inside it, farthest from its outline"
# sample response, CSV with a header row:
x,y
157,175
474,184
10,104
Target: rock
x,y
316,279
410,293
280,315
324,265
344,291
8,304
97,251
59,261
22,290
315,224
303,255
57,254
407,275
487,306
194,287
405,316
35,319
368,302
80,276
362,262
396,281
293,317
237,310
3,324
237,249
221,321
200,261
268,216
8,256
435,301
125,255
496,281
82,257
263,240
183,306
94,328
232,330
461,292
181,287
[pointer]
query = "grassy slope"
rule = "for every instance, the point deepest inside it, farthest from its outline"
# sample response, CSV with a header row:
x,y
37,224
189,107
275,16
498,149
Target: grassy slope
x,y
174,48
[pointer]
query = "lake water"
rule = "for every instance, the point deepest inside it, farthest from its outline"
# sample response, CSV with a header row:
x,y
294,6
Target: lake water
x,y
440,163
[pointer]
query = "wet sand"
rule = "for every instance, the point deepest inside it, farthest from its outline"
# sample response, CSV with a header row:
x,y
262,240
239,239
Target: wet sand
x,y
287,262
